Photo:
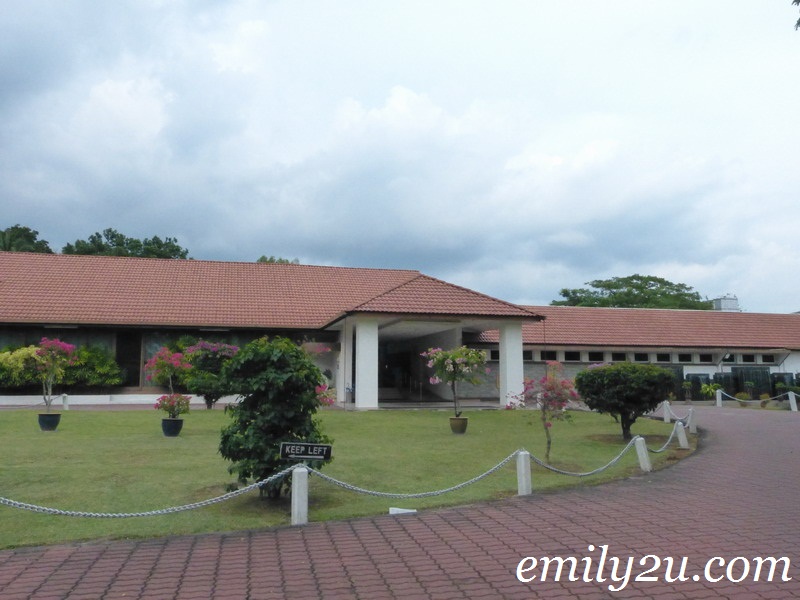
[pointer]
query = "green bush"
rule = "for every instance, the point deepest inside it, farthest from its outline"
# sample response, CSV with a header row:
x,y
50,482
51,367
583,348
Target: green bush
x,y
277,382
93,367
626,391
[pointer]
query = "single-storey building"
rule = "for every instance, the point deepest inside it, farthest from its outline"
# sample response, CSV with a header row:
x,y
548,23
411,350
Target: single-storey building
x,y
367,327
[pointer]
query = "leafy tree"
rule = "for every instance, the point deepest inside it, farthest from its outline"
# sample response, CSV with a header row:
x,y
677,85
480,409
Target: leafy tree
x,y
454,366
113,243
207,359
278,260
625,391
277,382
22,239
634,291
796,3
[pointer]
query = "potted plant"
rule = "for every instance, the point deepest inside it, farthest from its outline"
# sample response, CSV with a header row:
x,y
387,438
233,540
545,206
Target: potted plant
x,y
174,405
164,368
461,364
709,390
50,360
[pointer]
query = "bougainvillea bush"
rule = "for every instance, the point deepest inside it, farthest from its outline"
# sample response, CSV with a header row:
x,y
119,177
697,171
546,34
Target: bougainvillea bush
x,y
550,395
173,404
461,364
166,367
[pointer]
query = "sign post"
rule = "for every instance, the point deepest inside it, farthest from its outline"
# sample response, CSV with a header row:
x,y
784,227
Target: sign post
x,y
302,451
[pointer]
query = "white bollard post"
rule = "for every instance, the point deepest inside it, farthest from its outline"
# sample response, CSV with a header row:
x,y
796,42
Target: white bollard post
x,y
665,410
719,398
792,402
683,442
692,422
524,483
300,495
65,401
643,454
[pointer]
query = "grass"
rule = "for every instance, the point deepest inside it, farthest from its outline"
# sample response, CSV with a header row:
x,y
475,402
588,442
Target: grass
x,y
118,461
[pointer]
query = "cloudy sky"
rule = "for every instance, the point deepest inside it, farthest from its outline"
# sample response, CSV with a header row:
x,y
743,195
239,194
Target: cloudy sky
x,y
513,147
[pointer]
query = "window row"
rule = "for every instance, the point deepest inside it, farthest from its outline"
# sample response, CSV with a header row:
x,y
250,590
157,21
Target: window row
x,y
599,356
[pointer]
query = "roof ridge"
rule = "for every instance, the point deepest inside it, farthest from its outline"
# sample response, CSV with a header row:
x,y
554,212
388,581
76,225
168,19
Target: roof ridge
x,y
388,291
461,287
199,261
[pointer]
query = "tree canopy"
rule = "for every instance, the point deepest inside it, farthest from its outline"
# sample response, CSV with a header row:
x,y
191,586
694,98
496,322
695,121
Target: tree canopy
x,y
112,243
796,3
634,291
277,260
22,239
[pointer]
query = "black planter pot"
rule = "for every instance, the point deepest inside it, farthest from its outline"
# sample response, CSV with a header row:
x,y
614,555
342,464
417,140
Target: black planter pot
x,y
49,421
459,424
171,427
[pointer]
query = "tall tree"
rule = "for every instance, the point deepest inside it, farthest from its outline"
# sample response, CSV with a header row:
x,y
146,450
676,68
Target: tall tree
x,y
113,243
634,291
796,3
22,239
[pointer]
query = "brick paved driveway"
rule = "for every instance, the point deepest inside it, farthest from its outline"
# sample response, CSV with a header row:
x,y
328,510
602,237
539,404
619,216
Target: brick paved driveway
x,y
737,497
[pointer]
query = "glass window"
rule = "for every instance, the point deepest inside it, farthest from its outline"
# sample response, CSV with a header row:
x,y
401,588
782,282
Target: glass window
x,y
685,358
619,356
527,355
705,358
748,358
663,357
641,357
596,357
572,356
548,355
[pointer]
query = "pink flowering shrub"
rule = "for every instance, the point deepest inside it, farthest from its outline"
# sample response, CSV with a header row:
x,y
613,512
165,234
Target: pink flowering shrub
x,y
165,367
52,358
207,360
326,395
454,366
173,404
551,396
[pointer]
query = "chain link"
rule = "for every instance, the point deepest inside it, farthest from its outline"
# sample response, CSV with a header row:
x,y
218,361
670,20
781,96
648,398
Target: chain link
x,y
359,490
613,462
151,513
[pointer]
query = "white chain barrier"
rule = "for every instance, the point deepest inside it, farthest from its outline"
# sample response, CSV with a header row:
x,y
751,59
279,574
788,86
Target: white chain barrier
x,y
359,490
150,513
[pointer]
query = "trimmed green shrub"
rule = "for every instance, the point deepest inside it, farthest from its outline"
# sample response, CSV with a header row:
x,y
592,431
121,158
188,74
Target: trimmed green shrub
x,y
625,391
277,382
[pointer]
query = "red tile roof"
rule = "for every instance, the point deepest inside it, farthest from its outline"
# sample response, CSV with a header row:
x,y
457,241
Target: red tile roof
x,y
658,328
65,289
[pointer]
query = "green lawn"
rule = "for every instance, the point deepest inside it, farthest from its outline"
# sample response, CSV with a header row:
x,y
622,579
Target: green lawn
x,y
118,461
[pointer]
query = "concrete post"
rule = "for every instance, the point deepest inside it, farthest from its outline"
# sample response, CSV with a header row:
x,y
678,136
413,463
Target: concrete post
x,y
683,442
524,484
792,402
65,401
665,410
643,454
692,422
300,495
719,398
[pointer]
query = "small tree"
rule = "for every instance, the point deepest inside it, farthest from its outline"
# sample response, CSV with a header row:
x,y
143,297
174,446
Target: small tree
x,y
166,367
626,391
550,395
454,366
52,358
206,359
278,384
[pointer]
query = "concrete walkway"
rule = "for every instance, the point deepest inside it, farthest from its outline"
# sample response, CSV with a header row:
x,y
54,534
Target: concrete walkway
x,y
736,499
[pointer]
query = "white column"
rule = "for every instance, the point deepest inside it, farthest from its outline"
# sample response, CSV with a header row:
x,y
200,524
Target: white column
x,y
344,376
367,363
512,376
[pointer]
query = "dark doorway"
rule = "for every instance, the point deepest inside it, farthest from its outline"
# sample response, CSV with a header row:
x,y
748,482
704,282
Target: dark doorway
x,y
129,357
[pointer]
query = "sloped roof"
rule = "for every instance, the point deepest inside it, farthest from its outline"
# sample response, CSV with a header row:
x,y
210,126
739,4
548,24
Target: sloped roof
x,y
101,290
625,327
